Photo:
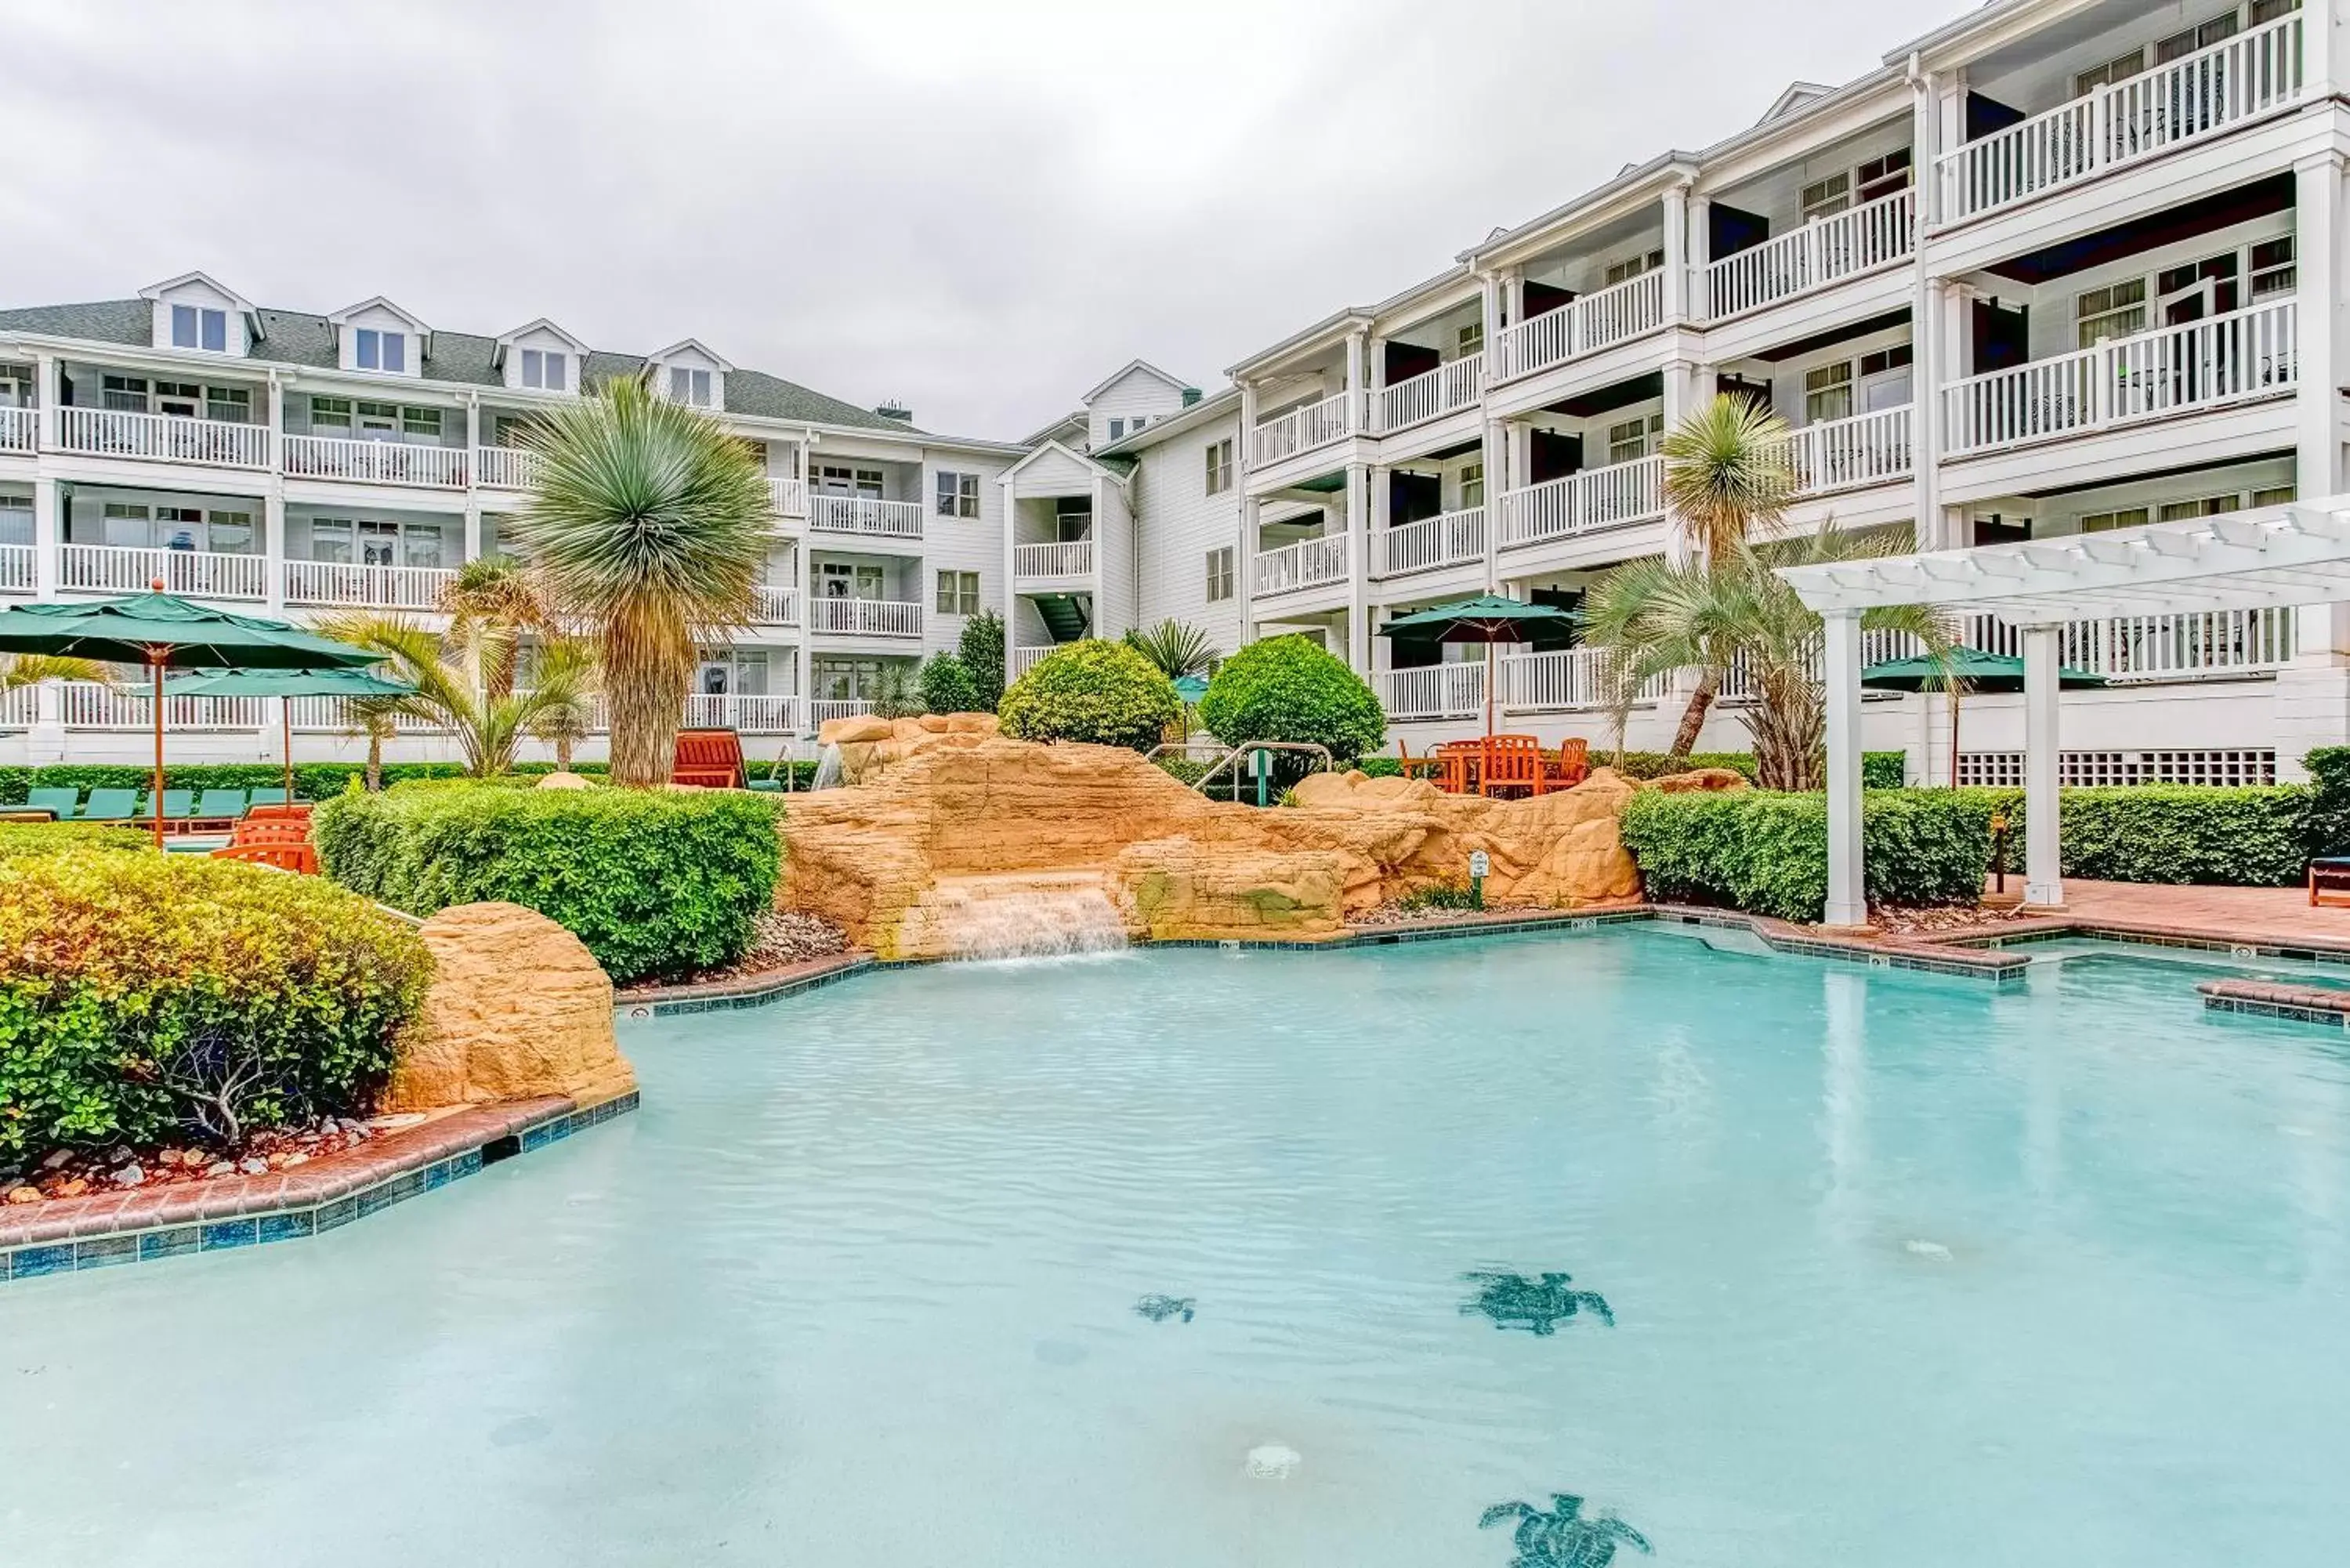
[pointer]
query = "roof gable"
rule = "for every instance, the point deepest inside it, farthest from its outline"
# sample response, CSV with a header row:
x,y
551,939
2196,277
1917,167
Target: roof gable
x,y
506,340
1797,95
686,348
173,285
1134,367
378,302
1054,449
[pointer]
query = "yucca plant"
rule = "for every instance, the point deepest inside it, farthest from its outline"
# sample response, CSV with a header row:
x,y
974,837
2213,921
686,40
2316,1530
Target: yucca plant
x,y
1177,648
649,526
492,595
488,729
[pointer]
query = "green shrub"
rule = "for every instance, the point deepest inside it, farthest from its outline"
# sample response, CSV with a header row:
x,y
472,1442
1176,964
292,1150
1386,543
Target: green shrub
x,y
1768,853
312,781
1379,767
2251,837
143,994
1289,688
1878,770
57,838
1188,770
980,649
1438,896
1094,690
657,883
946,685
2327,825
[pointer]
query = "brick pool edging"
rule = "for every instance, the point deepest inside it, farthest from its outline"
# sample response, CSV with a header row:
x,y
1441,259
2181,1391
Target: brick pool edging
x,y
139,1226
2268,999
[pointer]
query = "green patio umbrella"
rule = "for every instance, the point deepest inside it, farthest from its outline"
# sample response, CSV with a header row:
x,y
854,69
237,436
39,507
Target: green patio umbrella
x,y
1488,618
161,632
1966,669
1191,689
285,685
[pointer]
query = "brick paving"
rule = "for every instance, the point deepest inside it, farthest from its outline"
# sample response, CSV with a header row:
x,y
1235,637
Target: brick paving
x,y
2270,916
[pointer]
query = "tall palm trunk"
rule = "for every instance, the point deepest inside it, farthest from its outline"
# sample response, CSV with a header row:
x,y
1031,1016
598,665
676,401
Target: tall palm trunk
x,y
375,762
1700,702
648,663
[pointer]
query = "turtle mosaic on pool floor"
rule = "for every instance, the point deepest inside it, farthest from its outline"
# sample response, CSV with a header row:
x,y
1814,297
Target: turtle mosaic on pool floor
x,y
1540,1302
1158,1309
1561,1537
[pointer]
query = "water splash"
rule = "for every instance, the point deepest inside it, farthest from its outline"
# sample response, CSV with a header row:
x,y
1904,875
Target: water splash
x,y
1034,915
827,769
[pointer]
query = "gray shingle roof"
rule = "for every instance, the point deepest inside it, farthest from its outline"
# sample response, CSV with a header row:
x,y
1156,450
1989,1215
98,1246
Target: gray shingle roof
x,y
297,338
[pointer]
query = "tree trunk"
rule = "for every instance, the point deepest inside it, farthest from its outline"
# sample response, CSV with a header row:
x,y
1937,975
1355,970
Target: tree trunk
x,y
1708,686
563,753
375,762
648,664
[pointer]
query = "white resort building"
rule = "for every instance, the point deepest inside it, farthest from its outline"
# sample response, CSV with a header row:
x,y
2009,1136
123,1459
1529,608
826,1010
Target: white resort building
x,y
2063,266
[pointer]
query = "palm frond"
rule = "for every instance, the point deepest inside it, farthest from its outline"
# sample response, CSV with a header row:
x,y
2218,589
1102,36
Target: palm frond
x,y
32,669
1728,471
1176,649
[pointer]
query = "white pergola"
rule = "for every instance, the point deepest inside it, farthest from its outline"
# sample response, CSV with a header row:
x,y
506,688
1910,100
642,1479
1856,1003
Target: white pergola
x,y
2268,558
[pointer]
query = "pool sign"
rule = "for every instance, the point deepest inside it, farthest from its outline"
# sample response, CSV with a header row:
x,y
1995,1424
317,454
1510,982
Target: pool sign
x,y
1478,864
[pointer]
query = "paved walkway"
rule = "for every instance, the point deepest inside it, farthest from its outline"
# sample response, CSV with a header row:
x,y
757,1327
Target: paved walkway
x,y
2274,915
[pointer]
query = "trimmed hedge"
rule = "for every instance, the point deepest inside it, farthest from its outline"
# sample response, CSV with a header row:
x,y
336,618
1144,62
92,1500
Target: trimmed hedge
x,y
2257,836
657,883
312,781
1096,692
1291,689
57,838
142,995
1768,853
1878,770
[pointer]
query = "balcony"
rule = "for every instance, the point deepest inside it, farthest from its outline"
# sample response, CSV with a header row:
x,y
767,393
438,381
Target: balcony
x,y
2186,99
375,462
776,607
1433,691
1454,539
335,585
1022,658
789,497
1586,502
1818,253
1070,558
1429,395
1581,326
196,574
824,709
505,467
20,429
867,515
2172,369
1302,429
1853,453
2196,645
1309,562
866,618
16,568
163,438
744,713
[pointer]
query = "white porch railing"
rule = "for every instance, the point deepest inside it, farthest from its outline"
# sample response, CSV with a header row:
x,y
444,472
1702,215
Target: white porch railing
x,y
16,568
166,438
375,462
199,574
790,497
1597,498
91,705
1818,253
824,708
776,607
20,429
20,709
338,584
2244,354
2195,96
1022,657
1304,428
2183,647
332,716
752,714
1452,539
505,467
1846,454
1306,564
1070,558
874,618
1581,326
1434,691
864,514
1430,394
1562,681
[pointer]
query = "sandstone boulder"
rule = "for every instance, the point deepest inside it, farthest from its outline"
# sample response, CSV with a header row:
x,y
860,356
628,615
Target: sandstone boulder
x,y
869,746
518,1009
565,781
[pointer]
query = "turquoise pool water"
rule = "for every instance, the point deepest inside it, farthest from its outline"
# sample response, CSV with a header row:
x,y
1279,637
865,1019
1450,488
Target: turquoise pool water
x,y
1903,1270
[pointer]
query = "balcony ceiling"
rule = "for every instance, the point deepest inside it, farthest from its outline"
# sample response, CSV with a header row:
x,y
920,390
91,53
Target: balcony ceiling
x,y
2208,214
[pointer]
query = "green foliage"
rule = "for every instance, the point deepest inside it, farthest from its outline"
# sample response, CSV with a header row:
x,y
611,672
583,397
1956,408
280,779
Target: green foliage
x,y
1768,853
896,693
61,838
1176,648
1094,690
143,994
981,646
656,883
1289,688
312,781
1379,767
2254,837
2328,827
1878,770
1188,769
946,685
1438,896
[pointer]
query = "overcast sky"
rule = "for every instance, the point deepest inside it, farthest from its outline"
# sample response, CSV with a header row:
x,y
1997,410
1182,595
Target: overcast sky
x,y
981,208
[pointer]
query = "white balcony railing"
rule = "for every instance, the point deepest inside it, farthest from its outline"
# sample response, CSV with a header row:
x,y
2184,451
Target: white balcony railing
x,y
164,438
776,607
505,467
2244,354
1431,394
20,429
1818,253
1581,326
93,705
198,574
1306,564
1070,558
337,585
2192,644
790,497
20,708
1851,453
1453,539
751,715
2184,99
375,462
866,618
1304,428
825,709
17,569
1611,497
865,514
1433,691
1567,681
1022,658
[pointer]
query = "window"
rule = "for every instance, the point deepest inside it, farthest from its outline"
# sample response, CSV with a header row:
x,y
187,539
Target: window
x,y
1219,466
2270,10
179,399
958,495
15,519
330,413
1885,379
425,422
2119,68
379,351
2200,507
330,540
2274,495
2198,288
689,387
1219,575
832,480
1628,442
1827,393
1117,428
123,394
2106,522
230,532
1823,198
2272,269
2114,311
1882,176
193,326
377,419
1633,266
544,368
2188,39
230,405
958,593
1472,485
1469,341
15,385
126,525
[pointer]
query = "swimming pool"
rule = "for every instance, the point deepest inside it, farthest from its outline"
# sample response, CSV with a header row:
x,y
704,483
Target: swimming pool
x,y
1903,1270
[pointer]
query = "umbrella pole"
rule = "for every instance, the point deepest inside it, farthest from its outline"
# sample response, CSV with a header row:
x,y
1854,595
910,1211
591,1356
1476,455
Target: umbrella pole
x,y
1954,736
1489,690
285,720
155,666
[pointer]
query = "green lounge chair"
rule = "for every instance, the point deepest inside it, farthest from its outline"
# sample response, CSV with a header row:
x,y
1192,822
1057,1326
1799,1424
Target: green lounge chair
x,y
222,806
177,805
61,803
109,806
277,796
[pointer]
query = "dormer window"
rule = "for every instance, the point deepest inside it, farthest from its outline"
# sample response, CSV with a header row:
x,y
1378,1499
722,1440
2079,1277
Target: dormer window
x,y
199,326
689,387
545,370
379,350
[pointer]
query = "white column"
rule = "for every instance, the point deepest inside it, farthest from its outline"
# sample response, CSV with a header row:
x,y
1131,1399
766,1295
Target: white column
x,y
1382,516
1848,903
1358,560
2043,883
2317,68
1926,148
1676,247
1358,416
804,654
1244,546
1011,597
1927,375
49,535
1492,304
273,544
2312,702
1498,482
1700,254
1688,387
50,390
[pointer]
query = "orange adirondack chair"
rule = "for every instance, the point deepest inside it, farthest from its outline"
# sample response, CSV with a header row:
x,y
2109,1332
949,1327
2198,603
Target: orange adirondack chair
x,y
709,759
1574,765
1420,767
269,830
298,856
288,811
1512,762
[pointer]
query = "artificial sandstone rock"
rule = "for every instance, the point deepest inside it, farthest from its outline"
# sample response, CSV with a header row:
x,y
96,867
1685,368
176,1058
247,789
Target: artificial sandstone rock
x,y
565,781
518,1009
869,746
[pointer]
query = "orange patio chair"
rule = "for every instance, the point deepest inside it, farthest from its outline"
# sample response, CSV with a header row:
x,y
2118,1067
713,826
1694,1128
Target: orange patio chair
x,y
1427,765
1463,765
297,856
269,830
708,759
1572,766
1512,762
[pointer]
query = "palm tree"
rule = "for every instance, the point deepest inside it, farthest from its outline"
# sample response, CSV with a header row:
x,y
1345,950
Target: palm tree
x,y
1735,611
648,523
1727,472
1560,1537
565,669
488,729
32,669
489,595
1177,648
